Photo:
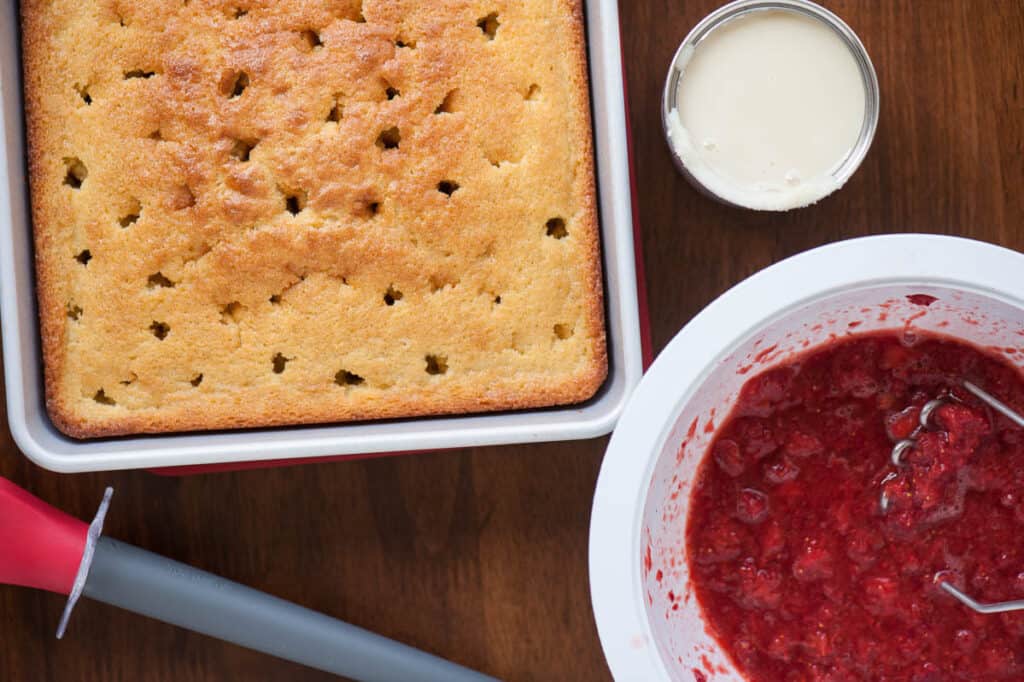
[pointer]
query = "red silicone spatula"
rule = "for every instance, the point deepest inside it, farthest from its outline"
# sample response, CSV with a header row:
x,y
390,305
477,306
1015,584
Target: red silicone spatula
x,y
44,548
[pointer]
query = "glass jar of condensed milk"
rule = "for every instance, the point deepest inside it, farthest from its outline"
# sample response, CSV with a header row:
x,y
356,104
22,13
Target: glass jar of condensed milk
x,y
770,104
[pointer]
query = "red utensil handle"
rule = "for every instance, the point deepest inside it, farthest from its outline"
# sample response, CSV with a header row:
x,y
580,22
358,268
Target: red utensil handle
x,y
40,546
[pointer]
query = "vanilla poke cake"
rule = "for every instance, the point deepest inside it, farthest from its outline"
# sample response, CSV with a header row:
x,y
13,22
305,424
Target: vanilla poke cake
x,y
266,213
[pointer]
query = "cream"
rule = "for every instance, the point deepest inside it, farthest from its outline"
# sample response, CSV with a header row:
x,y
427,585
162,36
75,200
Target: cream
x,y
768,107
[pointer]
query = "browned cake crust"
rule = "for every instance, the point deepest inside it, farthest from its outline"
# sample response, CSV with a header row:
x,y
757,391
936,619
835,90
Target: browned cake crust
x,y
257,213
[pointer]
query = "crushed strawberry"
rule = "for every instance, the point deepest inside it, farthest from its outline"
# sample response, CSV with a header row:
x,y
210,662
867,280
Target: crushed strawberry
x,y
801,575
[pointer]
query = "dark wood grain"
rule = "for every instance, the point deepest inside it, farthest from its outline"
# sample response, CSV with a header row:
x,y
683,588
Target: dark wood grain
x,y
480,555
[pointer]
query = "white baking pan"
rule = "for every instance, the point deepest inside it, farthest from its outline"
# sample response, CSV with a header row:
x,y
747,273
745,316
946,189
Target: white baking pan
x,y
41,442
638,524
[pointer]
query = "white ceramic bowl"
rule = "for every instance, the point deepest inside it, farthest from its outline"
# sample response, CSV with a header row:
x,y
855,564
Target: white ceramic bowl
x,y
640,507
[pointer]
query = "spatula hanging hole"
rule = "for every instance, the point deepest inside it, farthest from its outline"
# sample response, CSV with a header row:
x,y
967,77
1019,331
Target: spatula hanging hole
x,y
138,73
563,331
159,280
312,39
196,380
436,364
556,228
279,361
447,105
489,25
389,139
347,378
74,311
242,149
84,257
76,172
103,399
235,84
160,329
447,187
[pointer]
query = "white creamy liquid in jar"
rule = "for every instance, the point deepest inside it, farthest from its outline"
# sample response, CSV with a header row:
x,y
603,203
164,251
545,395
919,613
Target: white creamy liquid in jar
x,y
768,106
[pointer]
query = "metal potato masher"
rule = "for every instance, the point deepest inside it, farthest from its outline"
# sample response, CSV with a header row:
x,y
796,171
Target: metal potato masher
x,y
900,449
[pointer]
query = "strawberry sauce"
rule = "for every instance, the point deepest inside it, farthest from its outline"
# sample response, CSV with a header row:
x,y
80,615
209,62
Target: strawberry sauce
x,y
800,574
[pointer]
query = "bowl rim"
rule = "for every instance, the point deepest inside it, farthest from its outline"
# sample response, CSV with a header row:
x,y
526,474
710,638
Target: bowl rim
x,y
616,517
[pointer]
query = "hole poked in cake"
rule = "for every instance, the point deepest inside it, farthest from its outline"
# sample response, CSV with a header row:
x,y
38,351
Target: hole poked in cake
x,y
83,92
138,73
357,14
132,214
159,280
563,331
403,42
234,84
436,364
556,228
497,300
242,149
439,281
84,256
532,93
231,313
294,200
448,104
311,39
347,378
275,299
182,198
196,380
74,311
389,138
76,172
447,187
160,329
390,91
278,362
392,295
489,25
156,135
337,111
102,398
132,378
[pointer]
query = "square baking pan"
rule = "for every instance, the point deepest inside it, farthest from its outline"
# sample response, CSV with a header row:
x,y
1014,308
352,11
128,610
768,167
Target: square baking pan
x,y
45,445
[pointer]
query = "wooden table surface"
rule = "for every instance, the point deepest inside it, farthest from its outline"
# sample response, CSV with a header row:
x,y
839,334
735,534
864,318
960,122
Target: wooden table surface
x,y
480,555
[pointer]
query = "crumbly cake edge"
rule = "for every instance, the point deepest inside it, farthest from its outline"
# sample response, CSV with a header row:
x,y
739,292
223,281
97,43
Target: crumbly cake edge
x,y
53,330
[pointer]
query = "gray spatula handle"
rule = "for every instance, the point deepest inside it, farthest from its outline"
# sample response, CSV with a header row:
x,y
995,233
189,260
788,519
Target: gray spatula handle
x,y
146,583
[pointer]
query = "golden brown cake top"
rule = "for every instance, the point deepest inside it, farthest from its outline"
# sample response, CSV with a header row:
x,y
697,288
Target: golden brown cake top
x,y
256,213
